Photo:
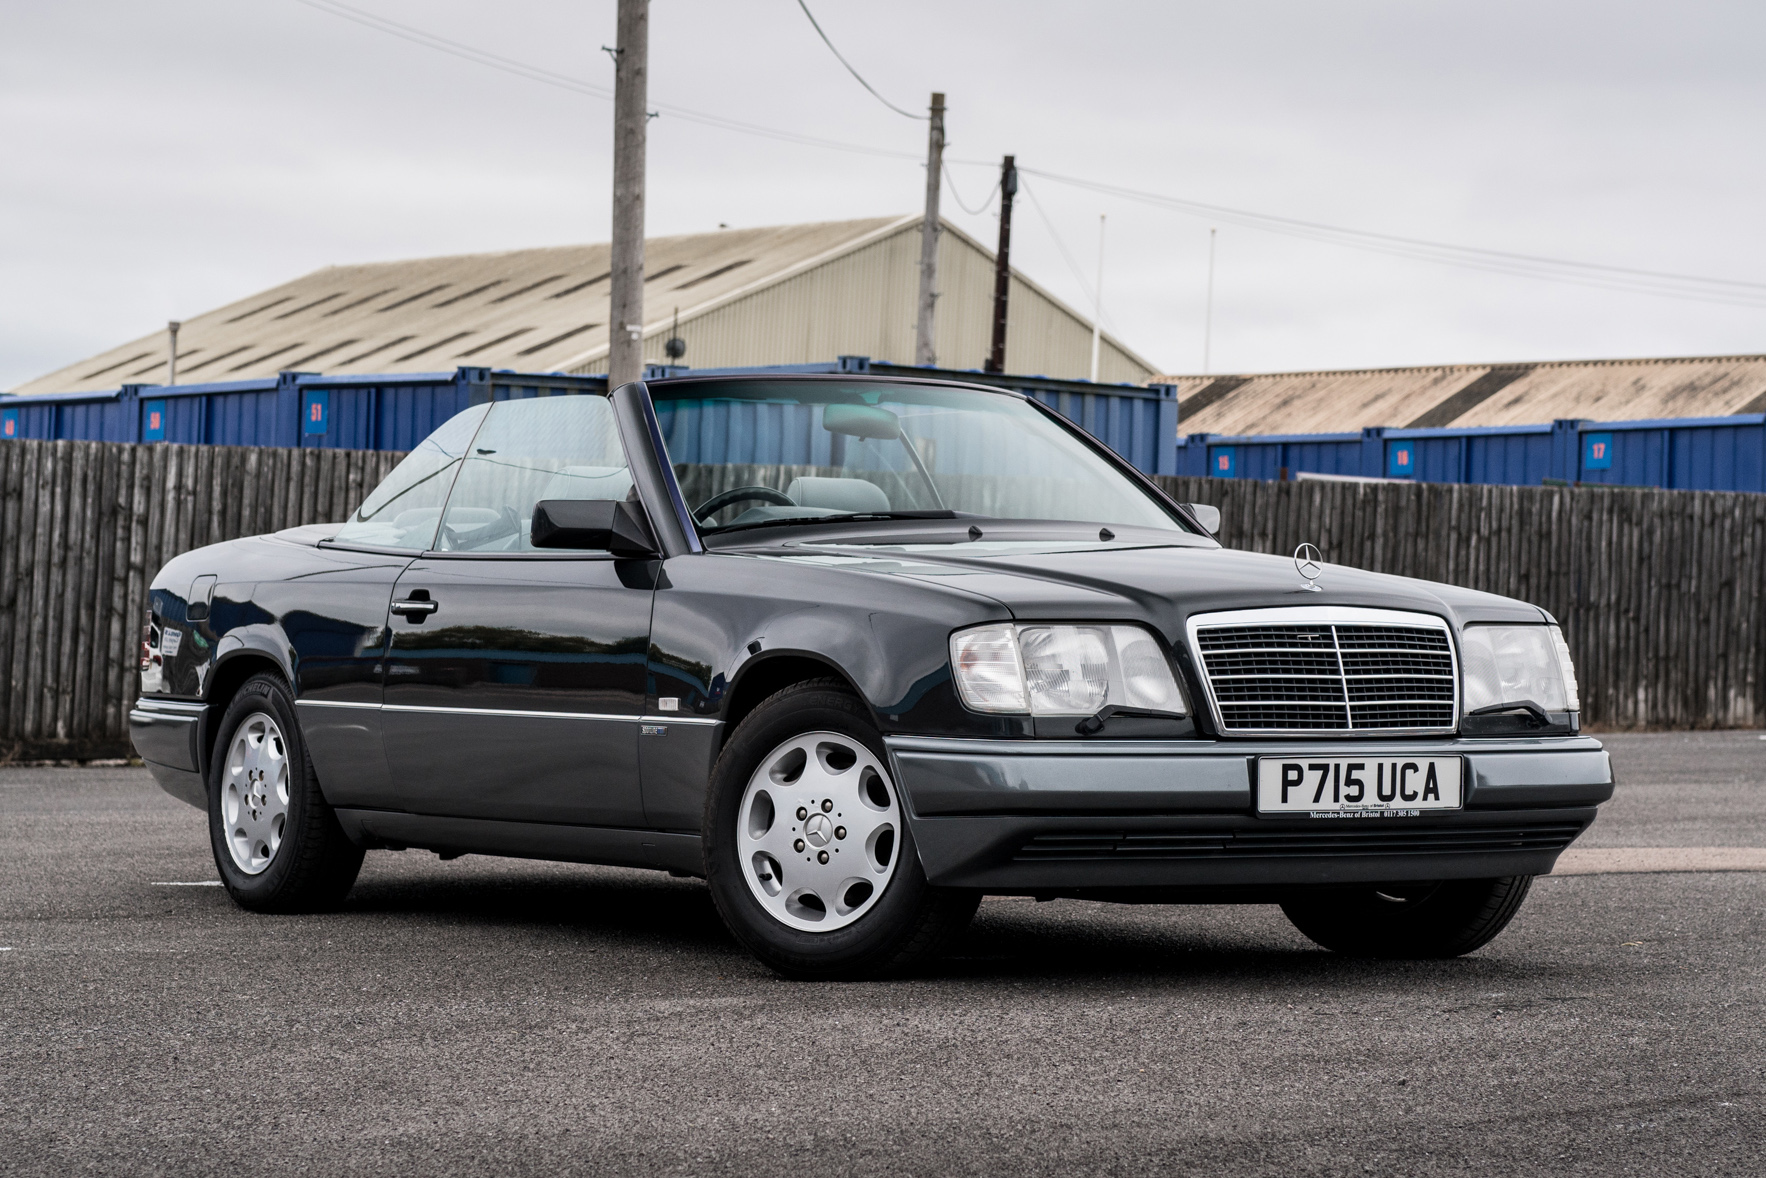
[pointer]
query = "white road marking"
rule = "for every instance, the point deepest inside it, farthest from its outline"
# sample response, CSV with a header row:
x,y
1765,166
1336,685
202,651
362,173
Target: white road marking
x,y
186,883
1629,860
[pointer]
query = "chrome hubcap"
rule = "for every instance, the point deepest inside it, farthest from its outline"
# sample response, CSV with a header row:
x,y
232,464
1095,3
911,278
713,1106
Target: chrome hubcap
x,y
254,793
818,831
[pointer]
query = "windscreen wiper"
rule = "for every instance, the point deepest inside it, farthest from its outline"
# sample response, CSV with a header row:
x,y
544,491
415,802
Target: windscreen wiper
x,y
847,517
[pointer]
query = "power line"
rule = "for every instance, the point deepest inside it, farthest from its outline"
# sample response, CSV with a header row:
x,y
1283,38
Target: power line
x,y
816,25
1066,254
1728,291
951,183
1600,276
577,85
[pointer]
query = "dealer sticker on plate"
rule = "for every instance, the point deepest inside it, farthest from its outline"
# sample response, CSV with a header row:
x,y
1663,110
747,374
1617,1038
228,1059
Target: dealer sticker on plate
x,y
1366,787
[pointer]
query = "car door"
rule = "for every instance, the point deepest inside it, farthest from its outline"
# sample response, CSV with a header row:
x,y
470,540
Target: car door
x,y
331,611
515,677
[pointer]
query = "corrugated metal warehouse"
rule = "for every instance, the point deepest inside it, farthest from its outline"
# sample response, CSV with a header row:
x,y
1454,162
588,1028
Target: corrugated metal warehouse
x,y
1471,395
791,294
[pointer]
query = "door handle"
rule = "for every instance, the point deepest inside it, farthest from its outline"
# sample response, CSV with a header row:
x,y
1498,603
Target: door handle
x,y
415,609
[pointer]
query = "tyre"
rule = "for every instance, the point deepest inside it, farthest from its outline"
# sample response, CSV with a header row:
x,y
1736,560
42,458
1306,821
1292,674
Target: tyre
x,y
806,852
277,844
1414,920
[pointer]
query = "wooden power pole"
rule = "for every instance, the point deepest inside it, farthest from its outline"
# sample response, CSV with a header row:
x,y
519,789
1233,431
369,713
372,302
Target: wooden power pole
x,y
1002,265
625,325
924,353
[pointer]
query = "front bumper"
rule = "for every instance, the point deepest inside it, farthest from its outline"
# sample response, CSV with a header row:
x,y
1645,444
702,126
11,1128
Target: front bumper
x,y
1062,816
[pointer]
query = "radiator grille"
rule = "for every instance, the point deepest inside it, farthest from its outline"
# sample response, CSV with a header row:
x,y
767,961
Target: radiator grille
x,y
1311,840
1329,677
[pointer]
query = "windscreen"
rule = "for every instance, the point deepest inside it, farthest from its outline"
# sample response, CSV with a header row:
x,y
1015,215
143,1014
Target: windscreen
x,y
756,452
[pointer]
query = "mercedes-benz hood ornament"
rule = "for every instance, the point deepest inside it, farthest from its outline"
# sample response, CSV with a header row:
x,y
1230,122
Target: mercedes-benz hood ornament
x,y
1310,563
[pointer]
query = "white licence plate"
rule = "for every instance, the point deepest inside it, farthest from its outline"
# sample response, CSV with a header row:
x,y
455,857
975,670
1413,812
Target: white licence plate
x,y
1360,787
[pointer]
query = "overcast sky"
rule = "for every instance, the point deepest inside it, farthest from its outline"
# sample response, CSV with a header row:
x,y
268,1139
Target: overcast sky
x,y
162,157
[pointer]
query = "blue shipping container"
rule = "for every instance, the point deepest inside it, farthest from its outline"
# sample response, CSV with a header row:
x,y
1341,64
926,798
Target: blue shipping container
x,y
395,412
1695,454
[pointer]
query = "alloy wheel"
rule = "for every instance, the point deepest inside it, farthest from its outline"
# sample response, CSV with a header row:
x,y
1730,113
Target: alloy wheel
x,y
254,793
817,831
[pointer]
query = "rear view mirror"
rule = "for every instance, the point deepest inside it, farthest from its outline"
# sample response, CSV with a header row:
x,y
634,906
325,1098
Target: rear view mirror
x,y
1206,514
861,421
611,525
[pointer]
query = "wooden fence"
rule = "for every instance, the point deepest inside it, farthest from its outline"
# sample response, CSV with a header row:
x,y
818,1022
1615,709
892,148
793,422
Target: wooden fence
x,y
83,528
1662,593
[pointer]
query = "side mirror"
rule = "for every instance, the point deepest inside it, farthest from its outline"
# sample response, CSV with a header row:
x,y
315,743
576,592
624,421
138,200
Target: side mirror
x,y
1206,514
612,525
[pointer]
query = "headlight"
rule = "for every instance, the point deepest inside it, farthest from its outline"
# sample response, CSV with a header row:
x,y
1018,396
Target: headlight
x,y
1063,670
1510,664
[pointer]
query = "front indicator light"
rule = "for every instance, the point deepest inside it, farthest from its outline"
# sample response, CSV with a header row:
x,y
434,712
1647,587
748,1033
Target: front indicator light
x,y
990,676
1063,670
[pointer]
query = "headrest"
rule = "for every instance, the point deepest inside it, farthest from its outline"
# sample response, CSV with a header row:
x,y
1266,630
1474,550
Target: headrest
x,y
837,494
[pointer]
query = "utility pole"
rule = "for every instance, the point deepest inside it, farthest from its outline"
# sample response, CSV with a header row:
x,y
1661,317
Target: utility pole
x,y
631,71
172,351
1097,317
1208,308
1002,265
923,350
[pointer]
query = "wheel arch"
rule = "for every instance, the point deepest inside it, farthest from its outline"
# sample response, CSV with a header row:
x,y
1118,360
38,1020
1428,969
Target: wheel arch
x,y
231,672
774,671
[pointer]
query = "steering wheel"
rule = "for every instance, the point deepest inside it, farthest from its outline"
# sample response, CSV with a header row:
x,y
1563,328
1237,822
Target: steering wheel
x,y
723,499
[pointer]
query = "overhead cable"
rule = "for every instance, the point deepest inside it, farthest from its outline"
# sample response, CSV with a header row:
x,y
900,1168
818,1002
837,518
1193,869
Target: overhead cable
x,y
1593,274
577,85
1091,293
951,183
1666,284
816,25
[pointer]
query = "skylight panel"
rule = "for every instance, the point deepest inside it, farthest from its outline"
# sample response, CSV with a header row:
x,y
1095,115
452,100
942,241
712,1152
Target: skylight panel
x,y
708,276
359,302
570,290
228,355
377,349
117,365
422,294
252,363
489,344
557,339
464,295
326,351
262,309
160,363
427,348
523,290
311,305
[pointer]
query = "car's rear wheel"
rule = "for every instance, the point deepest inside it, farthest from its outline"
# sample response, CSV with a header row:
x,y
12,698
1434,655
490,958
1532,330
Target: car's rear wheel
x,y
806,851
1414,920
277,844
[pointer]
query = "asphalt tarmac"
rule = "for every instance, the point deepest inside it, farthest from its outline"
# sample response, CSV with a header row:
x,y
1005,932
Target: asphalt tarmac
x,y
486,1016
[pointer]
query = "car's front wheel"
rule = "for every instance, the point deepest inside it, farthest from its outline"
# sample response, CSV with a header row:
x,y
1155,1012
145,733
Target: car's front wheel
x,y
806,851
1415,920
278,845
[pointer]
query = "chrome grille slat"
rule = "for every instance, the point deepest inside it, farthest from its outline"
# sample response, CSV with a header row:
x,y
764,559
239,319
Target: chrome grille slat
x,y
1350,672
